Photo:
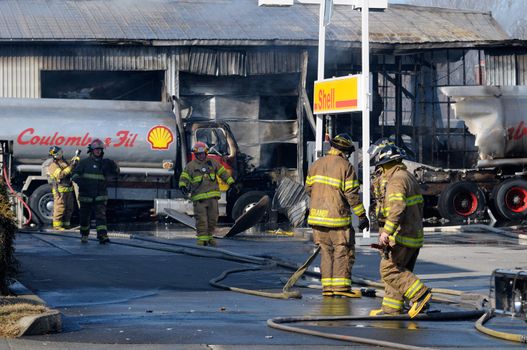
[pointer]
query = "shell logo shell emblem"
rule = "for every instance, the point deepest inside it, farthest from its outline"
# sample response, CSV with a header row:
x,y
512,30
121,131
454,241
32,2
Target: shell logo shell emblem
x,y
160,137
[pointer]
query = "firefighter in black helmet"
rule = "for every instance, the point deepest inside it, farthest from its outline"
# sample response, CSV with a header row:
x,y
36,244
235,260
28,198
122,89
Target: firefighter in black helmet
x,y
334,190
59,171
401,236
91,175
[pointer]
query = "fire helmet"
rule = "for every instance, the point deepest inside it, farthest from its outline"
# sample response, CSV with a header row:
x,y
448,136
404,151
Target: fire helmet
x,y
200,147
95,144
55,152
389,153
375,147
343,142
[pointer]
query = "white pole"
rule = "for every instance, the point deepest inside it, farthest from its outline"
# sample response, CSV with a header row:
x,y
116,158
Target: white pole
x,y
365,110
321,58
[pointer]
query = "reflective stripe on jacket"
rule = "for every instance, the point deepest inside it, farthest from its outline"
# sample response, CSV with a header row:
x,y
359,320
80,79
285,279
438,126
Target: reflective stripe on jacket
x,y
334,189
402,206
60,174
200,177
91,174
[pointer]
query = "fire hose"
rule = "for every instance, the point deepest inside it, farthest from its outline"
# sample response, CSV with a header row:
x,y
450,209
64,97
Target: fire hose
x,y
279,323
8,183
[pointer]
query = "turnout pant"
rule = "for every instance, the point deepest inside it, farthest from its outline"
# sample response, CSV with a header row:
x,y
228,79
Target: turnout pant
x,y
85,211
399,280
63,204
206,214
337,256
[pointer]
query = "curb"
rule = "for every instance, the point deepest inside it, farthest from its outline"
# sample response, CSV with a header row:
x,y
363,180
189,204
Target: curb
x,y
47,322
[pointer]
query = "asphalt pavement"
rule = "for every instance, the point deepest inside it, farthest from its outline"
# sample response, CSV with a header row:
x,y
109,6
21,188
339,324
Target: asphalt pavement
x,y
138,294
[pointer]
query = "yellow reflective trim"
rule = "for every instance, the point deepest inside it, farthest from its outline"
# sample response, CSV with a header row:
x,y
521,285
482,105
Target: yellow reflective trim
x,y
206,195
221,170
348,185
414,288
93,176
325,180
182,184
359,210
397,197
414,200
56,173
185,175
408,241
230,181
392,303
101,227
196,179
328,222
390,227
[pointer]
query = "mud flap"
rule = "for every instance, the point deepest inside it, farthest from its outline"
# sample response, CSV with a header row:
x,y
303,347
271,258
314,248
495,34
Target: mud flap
x,y
250,217
183,218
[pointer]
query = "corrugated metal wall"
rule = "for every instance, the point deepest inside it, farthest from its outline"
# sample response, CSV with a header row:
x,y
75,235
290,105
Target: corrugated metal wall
x,y
20,65
500,69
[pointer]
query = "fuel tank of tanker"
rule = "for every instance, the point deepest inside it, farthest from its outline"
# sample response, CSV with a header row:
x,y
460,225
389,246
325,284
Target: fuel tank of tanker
x,y
496,116
136,134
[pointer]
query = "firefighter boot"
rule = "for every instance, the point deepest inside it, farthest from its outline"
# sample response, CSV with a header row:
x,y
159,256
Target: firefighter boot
x,y
348,294
327,293
212,242
84,239
380,312
103,239
202,243
420,304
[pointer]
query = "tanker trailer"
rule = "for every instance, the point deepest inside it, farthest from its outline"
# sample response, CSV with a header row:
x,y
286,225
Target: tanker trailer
x,y
497,117
148,140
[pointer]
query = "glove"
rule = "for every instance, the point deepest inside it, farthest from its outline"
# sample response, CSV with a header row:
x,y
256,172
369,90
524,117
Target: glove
x,y
237,188
364,223
75,160
184,190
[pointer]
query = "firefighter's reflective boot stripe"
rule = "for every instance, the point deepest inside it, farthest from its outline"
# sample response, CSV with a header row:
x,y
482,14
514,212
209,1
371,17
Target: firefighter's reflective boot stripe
x,y
420,304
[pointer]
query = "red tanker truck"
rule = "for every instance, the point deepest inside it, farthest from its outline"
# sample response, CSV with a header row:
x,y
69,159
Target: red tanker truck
x,y
497,117
148,140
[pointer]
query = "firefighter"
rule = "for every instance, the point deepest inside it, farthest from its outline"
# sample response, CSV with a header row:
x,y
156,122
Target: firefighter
x,y
377,181
401,237
334,190
199,179
59,171
91,175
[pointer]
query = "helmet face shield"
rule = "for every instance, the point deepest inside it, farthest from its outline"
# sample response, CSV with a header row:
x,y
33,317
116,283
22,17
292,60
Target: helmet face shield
x,y
96,144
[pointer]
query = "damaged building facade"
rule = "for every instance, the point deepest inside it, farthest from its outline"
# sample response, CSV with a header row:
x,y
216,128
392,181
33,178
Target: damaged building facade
x,y
254,67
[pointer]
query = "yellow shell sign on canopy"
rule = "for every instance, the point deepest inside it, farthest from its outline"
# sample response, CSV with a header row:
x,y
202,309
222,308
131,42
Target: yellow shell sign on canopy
x,y
160,137
338,95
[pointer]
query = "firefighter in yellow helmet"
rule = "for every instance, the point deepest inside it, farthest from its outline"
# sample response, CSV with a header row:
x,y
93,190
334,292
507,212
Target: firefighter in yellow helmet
x,y
91,175
59,171
401,236
334,190
199,179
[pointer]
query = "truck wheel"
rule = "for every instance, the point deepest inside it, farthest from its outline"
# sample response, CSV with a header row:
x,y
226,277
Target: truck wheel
x,y
41,203
510,199
461,200
245,202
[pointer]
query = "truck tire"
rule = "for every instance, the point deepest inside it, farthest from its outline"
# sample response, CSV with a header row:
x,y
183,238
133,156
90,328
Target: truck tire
x,y
460,201
245,202
510,199
41,203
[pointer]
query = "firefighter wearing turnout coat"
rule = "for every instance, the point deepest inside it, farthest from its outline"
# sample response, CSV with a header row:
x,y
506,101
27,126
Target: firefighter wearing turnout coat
x,y
199,179
60,171
401,236
91,175
334,190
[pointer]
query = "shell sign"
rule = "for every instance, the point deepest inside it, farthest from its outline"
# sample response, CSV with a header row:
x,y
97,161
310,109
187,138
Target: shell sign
x,y
160,137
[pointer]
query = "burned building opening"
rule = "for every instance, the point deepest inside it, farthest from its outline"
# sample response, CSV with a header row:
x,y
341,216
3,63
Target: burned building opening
x,y
103,85
260,109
